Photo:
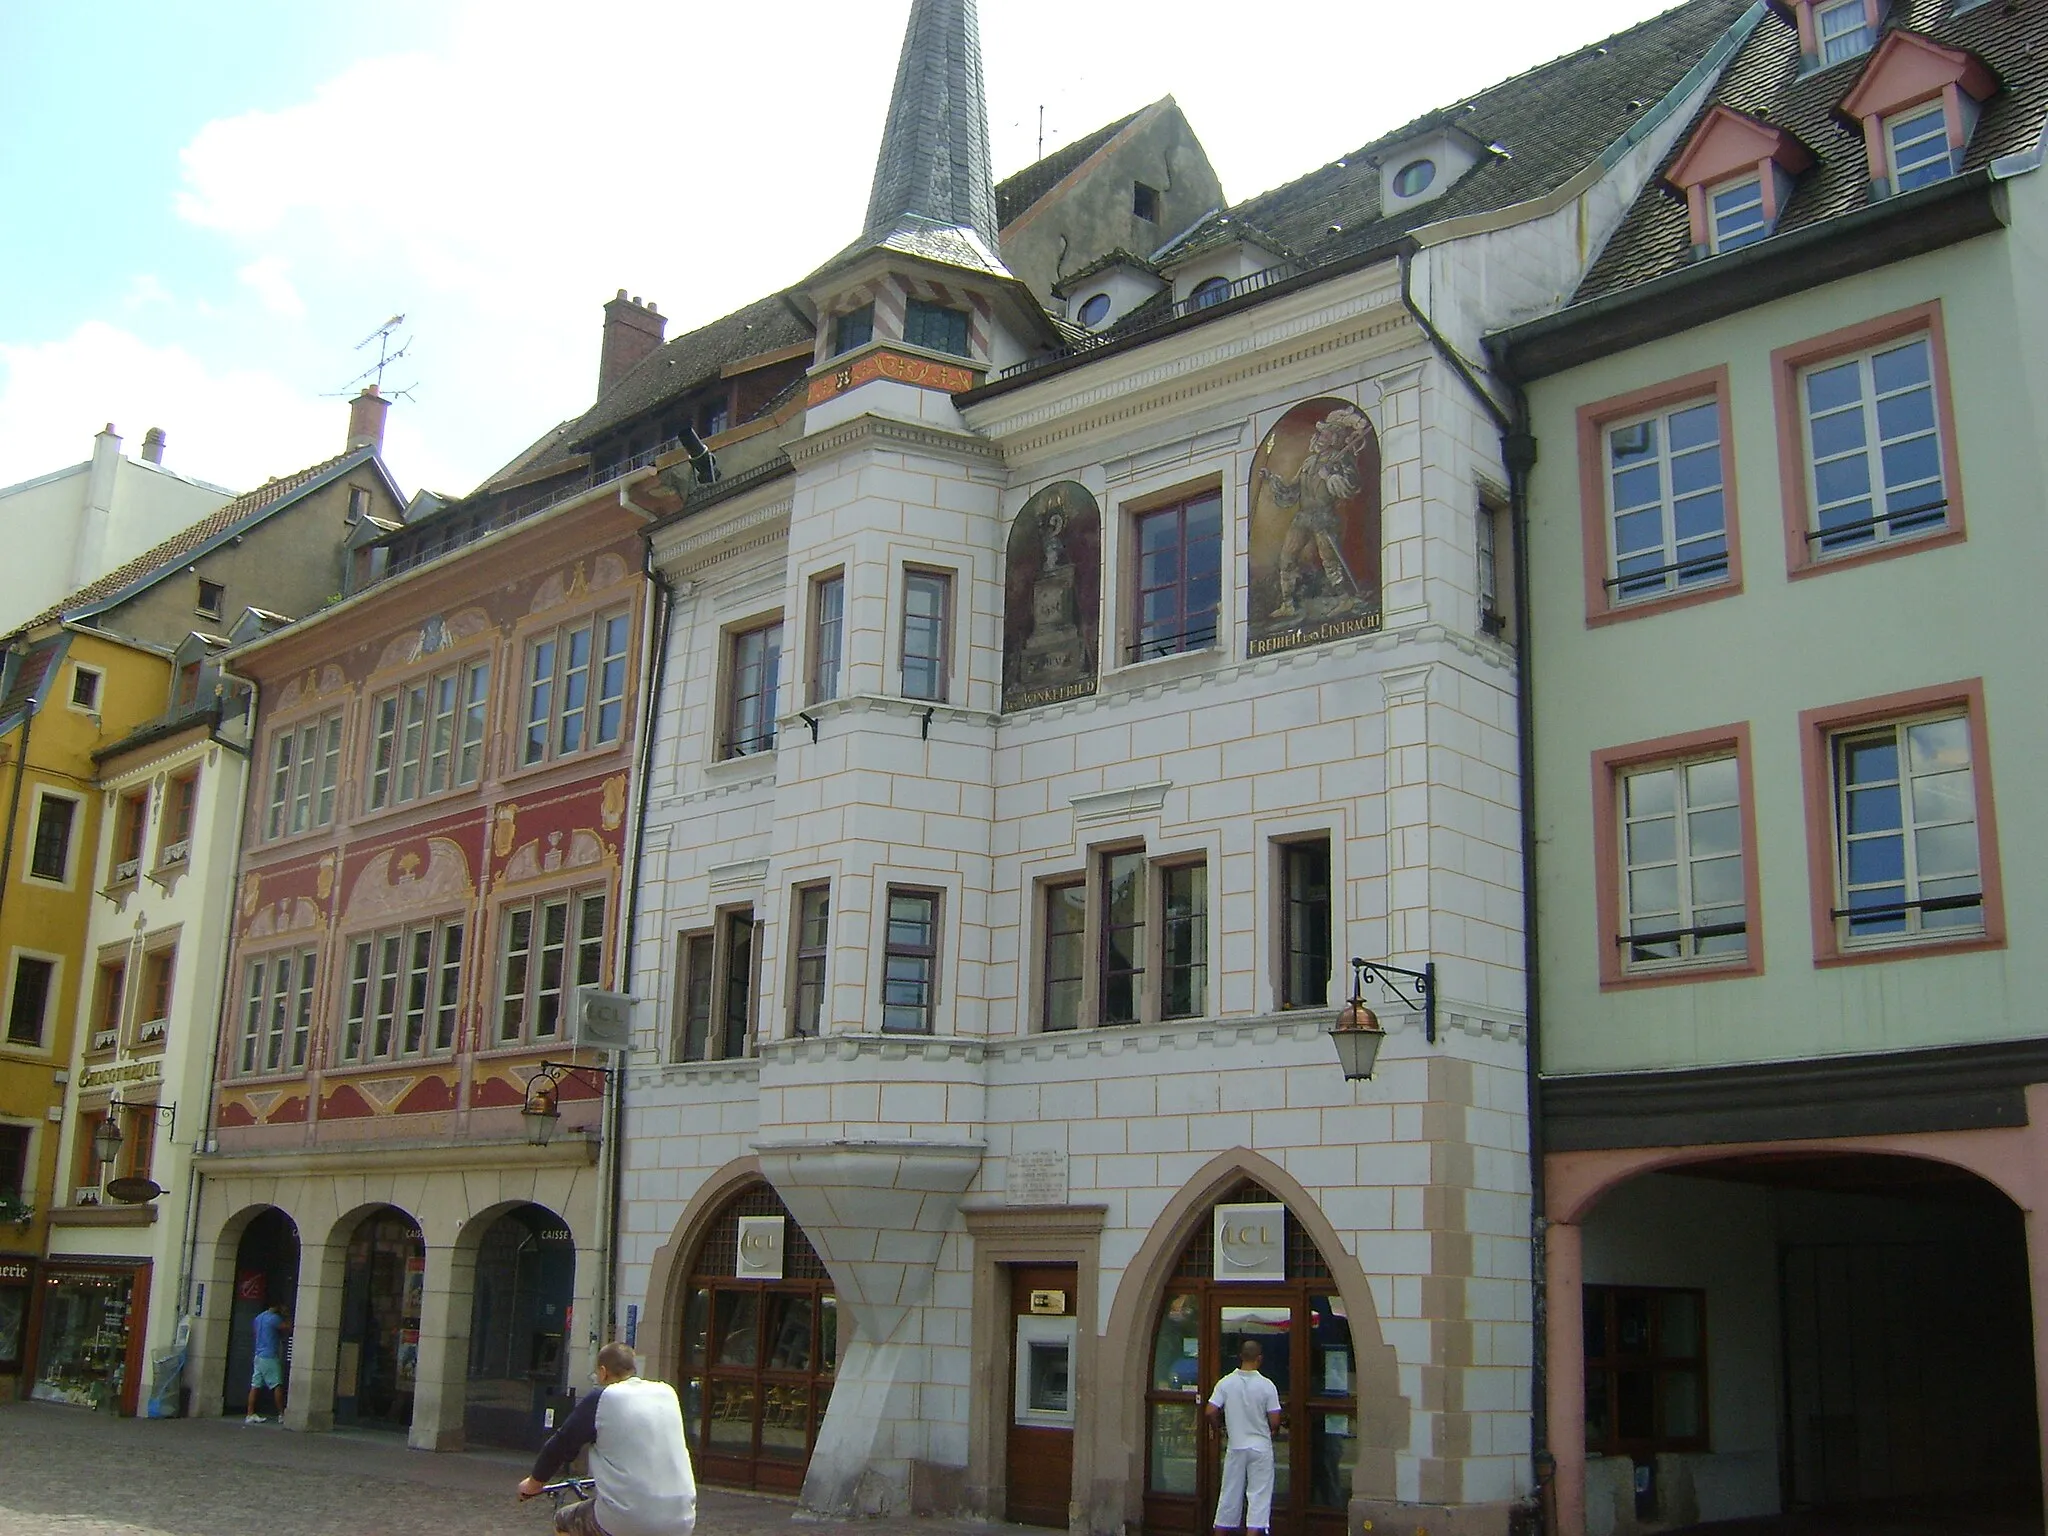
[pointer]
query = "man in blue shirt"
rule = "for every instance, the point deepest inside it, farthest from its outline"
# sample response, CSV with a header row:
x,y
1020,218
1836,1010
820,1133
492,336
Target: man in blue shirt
x,y
271,1327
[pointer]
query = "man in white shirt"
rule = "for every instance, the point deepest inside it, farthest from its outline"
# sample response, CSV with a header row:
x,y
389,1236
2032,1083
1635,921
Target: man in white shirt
x,y
1248,1407
634,1429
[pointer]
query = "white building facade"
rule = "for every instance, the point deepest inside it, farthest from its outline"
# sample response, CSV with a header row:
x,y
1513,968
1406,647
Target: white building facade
x,y
1033,756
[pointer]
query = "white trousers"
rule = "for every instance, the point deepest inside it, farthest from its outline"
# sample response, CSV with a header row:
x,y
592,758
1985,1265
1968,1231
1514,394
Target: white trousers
x,y
1247,1484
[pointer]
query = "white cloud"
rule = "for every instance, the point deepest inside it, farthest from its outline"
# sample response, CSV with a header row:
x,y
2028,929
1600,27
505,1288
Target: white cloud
x,y
144,290
235,428
500,186
269,277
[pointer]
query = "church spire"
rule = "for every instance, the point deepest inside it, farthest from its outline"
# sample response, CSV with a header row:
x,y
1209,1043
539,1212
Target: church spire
x,y
934,167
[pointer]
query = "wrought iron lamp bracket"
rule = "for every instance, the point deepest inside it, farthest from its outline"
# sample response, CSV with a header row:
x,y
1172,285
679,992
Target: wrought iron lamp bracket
x,y
1401,981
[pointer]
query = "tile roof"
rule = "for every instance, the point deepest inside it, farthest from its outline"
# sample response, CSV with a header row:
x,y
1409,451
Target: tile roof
x,y
1016,194
181,546
694,358
1552,121
1764,81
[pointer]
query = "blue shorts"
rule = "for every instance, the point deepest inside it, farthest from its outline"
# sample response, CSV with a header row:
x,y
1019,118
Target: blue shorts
x,y
269,1373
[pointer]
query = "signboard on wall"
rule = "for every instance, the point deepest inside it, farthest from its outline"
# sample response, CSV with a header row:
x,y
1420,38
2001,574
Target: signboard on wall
x,y
604,1020
1251,1242
761,1243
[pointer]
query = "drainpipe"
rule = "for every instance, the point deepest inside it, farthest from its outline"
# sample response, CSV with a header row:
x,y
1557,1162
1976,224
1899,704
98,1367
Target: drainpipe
x,y
1518,448
663,605
1518,454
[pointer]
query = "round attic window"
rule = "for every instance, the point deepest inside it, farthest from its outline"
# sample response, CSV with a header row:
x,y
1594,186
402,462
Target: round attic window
x,y
1095,310
1413,179
1214,291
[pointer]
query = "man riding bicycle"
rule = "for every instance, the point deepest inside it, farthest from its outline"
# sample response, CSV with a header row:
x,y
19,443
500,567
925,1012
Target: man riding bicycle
x,y
634,1429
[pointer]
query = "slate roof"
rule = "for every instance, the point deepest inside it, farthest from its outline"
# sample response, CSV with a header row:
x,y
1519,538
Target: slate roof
x,y
934,162
1552,121
1016,194
1764,81
181,547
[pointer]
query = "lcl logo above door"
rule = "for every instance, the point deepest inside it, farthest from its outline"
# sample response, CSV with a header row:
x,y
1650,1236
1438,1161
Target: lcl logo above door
x,y
1251,1242
760,1248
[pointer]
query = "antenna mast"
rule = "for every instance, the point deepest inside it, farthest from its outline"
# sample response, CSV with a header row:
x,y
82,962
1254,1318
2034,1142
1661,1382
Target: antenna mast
x,y
386,356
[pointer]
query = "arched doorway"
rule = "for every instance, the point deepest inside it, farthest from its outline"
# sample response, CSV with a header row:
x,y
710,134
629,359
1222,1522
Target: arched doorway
x,y
519,1327
266,1271
1298,1317
1806,1328
384,1282
758,1355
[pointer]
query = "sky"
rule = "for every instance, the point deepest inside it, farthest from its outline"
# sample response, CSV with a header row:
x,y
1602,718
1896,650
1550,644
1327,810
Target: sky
x,y
207,205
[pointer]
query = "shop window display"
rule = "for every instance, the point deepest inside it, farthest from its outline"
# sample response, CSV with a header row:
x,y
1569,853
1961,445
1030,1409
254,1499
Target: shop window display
x,y
83,1356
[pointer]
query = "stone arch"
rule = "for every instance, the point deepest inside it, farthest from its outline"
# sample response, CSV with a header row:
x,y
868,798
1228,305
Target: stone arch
x,y
325,1272
668,1276
2005,1160
1383,1411
1576,1182
512,1277
233,1319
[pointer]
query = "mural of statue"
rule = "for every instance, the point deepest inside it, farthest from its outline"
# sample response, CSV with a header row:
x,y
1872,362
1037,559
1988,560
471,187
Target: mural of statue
x,y
1315,528
1053,581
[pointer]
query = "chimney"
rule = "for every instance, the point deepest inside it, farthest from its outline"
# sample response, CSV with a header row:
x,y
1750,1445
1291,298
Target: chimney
x,y
632,330
88,562
366,420
153,446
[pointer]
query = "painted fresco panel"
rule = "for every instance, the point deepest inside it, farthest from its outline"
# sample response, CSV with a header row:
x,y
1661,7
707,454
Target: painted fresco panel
x,y
1315,528
1051,601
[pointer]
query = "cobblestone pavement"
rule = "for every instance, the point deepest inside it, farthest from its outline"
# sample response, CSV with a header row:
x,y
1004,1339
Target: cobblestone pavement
x,y
66,1472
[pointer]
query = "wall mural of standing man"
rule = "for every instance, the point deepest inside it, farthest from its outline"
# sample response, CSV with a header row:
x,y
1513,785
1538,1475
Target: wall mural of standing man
x,y
1315,535
1053,583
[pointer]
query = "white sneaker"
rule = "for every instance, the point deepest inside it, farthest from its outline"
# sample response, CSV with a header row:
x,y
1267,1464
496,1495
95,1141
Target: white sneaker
x,y
254,1418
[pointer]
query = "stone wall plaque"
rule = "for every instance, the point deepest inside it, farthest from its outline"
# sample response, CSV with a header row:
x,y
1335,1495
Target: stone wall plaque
x,y
1038,1176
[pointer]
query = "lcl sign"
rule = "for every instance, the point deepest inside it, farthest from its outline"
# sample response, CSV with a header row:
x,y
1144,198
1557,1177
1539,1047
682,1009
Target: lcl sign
x,y
1251,1242
760,1247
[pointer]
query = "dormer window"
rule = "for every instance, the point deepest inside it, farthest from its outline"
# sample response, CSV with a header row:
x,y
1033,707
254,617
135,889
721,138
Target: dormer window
x,y
1737,173
1095,310
1918,148
1736,213
1414,178
1212,291
1843,30
1918,101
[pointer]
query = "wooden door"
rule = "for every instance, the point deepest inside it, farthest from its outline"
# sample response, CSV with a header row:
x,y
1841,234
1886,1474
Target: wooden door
x,y
1039,1406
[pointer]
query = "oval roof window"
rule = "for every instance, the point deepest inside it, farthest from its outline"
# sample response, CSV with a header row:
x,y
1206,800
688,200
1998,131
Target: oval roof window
x,y
1414,178
1095,311
1214,291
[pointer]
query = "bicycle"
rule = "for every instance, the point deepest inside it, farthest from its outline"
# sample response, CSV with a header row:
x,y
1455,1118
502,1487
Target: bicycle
x,y
570,1490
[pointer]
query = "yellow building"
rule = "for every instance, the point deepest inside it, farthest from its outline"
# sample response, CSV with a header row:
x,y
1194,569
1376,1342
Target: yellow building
x,y
122,663
67,691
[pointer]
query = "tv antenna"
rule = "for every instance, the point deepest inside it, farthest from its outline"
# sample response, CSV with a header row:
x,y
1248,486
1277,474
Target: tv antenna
x,y
386,356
